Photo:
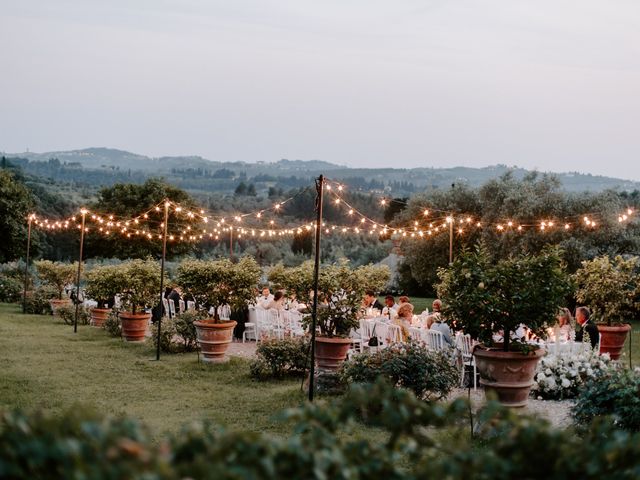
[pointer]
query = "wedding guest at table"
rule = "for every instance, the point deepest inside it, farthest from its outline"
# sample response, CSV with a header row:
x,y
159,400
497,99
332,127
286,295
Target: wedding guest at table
x,y
440,326
390,307
264,298
277,302
403,319
564,324
370,301
435,314
586,325
403,299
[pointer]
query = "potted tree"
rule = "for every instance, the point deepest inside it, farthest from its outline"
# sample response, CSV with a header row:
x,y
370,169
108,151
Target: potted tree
x,y
103,283
488,299
341,290
139,287
213,284
611,290
57,275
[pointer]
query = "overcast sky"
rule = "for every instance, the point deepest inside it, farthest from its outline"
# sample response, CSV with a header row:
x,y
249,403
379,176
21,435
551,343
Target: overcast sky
x,y
547,84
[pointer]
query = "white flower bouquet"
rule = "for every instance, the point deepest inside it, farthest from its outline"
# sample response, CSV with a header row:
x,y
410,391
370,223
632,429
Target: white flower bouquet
x,y
561,375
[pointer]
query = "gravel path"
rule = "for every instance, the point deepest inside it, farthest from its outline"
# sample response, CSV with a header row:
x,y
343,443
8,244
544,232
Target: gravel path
x,y
555,412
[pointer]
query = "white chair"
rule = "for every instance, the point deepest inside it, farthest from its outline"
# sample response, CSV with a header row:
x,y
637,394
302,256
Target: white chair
x,y
434,340
394,334
172,308
181,306
415,334
165,304
224,312
276,321
191,305
465,345
262,327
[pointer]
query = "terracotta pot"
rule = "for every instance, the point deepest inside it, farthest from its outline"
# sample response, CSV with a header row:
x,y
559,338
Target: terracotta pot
x,y
612,339
331,352
134,326
214,339
99,316
56,303
508,374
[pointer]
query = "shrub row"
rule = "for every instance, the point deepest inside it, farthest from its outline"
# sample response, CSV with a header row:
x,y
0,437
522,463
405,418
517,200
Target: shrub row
x,y
322,445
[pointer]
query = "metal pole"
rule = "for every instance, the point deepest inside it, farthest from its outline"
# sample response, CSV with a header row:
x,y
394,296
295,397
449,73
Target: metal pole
x,y
26,267
164,254
75,320
231,243
451,239
316,270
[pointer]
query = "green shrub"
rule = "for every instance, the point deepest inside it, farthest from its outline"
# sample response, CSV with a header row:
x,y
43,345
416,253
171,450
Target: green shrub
x,y
281,358
68,314
112,324
421,440
10,289
429,375
38,300
616,394
178,334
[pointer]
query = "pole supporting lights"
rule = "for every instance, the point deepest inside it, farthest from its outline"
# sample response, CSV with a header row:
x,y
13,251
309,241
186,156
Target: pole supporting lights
x,y
26,265
84,212
164,254
316,271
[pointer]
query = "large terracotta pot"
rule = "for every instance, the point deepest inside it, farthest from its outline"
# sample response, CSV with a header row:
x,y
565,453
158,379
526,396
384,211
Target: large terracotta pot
x,y
134,326
56,303
99,316
331,352
214,339
612,339
508,374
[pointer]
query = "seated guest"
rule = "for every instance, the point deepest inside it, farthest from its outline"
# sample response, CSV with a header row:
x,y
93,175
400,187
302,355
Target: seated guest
x,y
403,319
370,301
403,299
390,307
564,324
586,325
435,314
277,302
175,295
264,298
440,326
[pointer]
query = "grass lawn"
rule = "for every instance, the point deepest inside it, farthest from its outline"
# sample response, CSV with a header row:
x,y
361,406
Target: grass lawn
x,y
45,365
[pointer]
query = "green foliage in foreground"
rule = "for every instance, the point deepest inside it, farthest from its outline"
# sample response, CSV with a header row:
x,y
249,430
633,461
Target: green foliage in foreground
x,y
505,446
616,394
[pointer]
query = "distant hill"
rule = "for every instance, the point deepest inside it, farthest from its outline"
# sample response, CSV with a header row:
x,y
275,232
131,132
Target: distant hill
x,y
105,166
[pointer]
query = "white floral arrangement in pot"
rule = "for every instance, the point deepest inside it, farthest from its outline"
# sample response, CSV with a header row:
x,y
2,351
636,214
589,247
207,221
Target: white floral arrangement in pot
x,y
560,376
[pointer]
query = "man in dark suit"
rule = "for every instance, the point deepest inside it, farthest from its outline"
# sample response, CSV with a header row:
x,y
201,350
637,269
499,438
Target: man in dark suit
x,y
370,301
586,325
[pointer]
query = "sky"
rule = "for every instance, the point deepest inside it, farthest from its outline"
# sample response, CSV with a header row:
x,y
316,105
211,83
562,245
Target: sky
x,y
546,84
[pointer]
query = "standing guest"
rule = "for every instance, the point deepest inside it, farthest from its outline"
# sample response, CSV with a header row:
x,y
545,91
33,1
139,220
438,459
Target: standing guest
x,y
586,325
390,307
370,301
403,319
175,296
264,299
